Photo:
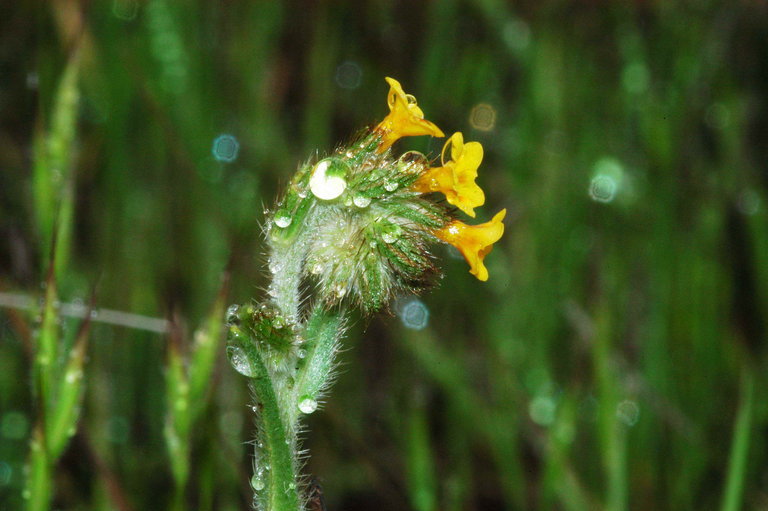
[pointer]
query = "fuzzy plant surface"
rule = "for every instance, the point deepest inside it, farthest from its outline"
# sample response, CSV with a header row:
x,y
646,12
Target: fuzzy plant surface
x,y
352,230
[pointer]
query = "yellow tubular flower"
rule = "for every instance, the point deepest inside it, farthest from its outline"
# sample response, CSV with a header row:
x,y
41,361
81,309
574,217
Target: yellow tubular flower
x,y
474,241
456,179
405,118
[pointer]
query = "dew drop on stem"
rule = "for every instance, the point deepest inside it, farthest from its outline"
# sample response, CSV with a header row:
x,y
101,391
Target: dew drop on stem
x,y
240,362
307,405
283,218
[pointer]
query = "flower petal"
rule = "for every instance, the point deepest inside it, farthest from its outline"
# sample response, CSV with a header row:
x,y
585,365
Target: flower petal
x,y
405,118
474,241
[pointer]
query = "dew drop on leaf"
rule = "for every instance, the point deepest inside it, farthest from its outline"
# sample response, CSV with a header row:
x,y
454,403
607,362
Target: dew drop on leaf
x,y
361,201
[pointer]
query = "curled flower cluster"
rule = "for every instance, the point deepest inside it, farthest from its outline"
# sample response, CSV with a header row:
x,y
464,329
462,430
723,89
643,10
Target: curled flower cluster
x,y
359,223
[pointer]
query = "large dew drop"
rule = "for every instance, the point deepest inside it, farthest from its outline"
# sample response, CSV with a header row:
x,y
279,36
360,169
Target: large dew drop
x,y
307,405
240,362
325,185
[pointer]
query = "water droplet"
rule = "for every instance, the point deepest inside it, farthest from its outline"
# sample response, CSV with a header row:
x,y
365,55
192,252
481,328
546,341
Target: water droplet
x,y
607,180
257,482
628,412
307,405
302,193
316,269
348,75
391,233
283,218
302,353
749,202
391,186
240,362
327,181
602,188
483,117
340,289
232,311
278,322
542,410
275,266
348,201
516,34
413,313
361,201
225,148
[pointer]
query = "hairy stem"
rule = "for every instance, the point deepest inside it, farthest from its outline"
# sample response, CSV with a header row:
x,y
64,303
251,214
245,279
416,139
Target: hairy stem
x,y
275,480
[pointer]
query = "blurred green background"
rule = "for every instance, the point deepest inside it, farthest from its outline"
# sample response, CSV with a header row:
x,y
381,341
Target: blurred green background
x,y
615,359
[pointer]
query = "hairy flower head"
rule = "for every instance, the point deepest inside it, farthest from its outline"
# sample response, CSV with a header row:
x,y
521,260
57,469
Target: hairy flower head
x,y
456,179
358,224
405,118
474,241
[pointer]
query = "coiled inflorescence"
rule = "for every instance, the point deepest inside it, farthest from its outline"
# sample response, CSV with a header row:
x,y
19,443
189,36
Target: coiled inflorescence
x,y
359,223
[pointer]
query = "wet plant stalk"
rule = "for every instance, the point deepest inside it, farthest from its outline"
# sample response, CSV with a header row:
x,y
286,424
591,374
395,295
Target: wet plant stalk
x,y
289,368
275,474
357,225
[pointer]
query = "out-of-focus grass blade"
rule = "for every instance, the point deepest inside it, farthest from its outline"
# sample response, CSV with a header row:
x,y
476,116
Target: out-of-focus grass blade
x,y
420,467
63,416
208,339
38,490
178,420
46,348
53,184
737,465
186,388
612,435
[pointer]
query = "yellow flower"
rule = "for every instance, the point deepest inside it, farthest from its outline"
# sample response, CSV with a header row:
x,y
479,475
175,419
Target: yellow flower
x,y
474,241
405,118
456,179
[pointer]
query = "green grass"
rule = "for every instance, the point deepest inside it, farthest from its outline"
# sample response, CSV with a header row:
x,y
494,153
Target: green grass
x,y
615,359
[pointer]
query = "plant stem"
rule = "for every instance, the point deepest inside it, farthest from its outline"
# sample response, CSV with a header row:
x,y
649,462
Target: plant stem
x,y
276,475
